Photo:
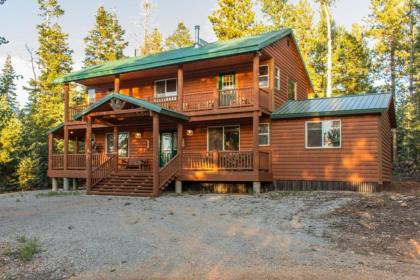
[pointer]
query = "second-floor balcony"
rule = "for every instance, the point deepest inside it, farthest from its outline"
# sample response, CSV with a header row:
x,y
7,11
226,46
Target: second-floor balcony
x,y
212,101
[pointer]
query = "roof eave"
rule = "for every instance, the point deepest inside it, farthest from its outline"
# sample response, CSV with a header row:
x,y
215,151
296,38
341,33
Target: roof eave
x,y
328,113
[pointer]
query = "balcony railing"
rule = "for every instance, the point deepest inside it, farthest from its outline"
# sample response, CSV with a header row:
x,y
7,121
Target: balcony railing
x,y
217,99
75,109
76,161
169,102
218,160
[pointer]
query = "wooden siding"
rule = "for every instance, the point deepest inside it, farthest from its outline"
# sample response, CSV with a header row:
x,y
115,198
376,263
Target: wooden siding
x,y
287,58
355,161
385,126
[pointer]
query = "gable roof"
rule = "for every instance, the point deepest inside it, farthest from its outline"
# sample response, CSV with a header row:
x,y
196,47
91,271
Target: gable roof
x,y
183,55
334,106
135,101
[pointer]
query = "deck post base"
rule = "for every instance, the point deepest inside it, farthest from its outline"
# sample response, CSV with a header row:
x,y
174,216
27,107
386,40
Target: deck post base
x,y
54,184
178,187
256,187
74,184
66,184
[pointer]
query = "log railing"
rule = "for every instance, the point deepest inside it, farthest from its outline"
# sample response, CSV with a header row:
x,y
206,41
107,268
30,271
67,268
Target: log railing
x,y
76,161
264,160
221,160
103,170
98,159
169,102
265,98
198,160
239,97
171,169
75,109
57,162
235,160
198,101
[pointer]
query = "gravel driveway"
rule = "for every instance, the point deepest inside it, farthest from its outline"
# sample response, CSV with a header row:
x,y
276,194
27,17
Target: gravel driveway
x,y
185,237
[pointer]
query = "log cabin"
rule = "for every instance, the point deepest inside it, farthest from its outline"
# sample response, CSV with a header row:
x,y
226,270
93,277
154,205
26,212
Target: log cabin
x,y
237,111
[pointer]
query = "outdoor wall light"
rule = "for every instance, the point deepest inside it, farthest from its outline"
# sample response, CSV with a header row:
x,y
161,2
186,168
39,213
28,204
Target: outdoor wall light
x,y
190,132
137,135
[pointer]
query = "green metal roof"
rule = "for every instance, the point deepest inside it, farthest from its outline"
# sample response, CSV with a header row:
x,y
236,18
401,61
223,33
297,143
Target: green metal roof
x,y
134,101
129,99
334,106
183,55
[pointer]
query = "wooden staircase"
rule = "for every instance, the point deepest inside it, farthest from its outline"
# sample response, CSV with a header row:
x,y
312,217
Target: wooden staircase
x,y
126,183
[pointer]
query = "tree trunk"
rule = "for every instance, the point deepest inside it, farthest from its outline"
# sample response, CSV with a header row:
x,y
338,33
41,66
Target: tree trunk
x,y
392,67
329,49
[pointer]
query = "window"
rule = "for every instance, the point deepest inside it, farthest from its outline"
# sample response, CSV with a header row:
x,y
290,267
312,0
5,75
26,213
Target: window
x,y
224,138
277,78
91,95
165,88
264,76
264,134
227,81
323,134
122,144
291,90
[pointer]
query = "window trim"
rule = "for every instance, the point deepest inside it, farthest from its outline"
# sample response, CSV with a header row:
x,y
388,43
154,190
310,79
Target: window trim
x,y
275,78
223,133
128,146
268,75
295,88
322,138
268,134
166,86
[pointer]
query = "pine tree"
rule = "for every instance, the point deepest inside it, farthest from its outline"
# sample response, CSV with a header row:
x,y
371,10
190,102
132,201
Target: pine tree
x,y
105,41
153,44
325,12
8,84
234,19
180,38
45,107
386,29
10,127
351,62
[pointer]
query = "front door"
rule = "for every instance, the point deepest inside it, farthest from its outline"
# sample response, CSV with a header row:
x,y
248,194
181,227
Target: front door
x,y
168,147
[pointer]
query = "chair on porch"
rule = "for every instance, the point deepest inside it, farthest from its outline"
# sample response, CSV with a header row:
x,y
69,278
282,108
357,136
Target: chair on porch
x,y
141,163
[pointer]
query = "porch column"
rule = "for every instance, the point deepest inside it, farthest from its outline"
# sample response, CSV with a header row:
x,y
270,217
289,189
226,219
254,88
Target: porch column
x,y
76,143
66,184
255,140
50,151
180,88
117,83
179,140
155,154
88,151
54,184
66,146
116,147
255,80
66,102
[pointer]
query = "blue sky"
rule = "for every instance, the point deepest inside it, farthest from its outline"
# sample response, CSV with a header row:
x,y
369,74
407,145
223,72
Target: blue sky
x,y
19,19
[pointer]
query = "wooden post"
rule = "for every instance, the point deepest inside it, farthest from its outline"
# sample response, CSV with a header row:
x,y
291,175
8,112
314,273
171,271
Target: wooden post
x,y
66,102
255,140
180,88
155,154
88,151
117,84
255,80
76,148
50,150
180,136
66,146
116,147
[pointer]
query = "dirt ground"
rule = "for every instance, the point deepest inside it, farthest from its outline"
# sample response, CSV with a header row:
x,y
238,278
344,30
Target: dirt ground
x,y
277,235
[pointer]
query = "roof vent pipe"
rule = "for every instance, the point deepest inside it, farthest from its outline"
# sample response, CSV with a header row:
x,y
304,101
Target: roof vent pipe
x,y
197,37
